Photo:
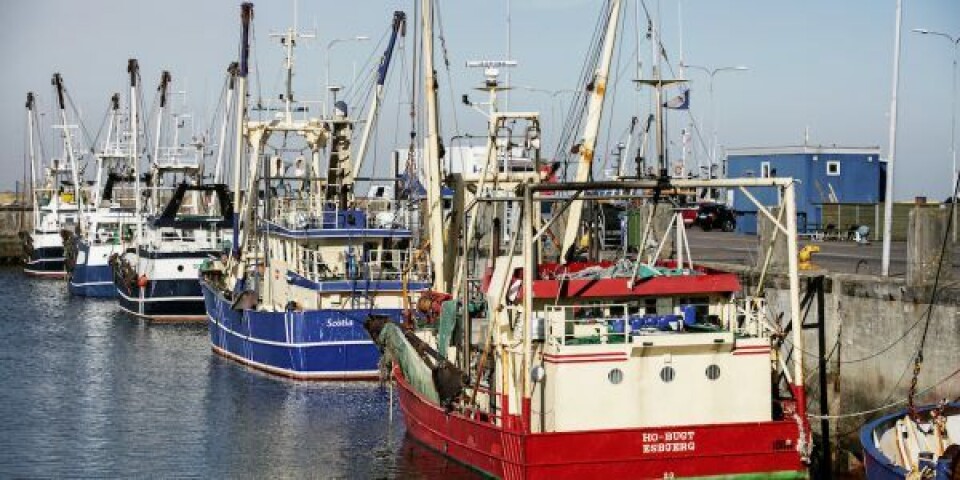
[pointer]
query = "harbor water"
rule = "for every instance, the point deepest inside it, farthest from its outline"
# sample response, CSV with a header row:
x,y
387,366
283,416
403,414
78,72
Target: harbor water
x,y
87,391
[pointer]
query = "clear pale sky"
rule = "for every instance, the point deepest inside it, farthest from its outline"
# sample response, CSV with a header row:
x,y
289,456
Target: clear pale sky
x,y
819,64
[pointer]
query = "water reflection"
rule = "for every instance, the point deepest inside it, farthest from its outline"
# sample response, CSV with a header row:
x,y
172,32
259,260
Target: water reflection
x,y
86,391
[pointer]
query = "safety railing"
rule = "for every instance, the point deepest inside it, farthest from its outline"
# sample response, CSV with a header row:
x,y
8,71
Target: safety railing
x,y
377,264
593,324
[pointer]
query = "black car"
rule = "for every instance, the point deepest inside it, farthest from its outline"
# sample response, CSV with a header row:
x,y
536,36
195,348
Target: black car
x,y
715,215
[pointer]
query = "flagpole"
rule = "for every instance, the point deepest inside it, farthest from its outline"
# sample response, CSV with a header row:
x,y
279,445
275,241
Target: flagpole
x,y
891,153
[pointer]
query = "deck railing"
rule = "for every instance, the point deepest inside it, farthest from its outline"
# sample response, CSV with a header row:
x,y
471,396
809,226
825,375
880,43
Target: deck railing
x,y
590,324
386,264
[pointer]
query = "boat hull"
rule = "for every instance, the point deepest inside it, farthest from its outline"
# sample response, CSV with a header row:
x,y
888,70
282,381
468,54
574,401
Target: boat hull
x,y
754,450
92,275
327,344
876,464
162,300
46,262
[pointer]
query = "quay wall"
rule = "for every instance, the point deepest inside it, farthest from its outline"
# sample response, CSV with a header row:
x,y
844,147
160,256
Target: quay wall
x,y
874,327
13,219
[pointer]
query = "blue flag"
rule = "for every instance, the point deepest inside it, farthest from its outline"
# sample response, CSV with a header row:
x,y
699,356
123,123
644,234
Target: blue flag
x,y
680,102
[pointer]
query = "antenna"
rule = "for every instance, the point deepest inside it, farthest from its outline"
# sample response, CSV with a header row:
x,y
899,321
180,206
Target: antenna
x,y
491,73
288,40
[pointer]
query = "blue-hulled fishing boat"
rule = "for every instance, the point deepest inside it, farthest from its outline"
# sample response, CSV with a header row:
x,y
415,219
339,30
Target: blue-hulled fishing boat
x,y
311,262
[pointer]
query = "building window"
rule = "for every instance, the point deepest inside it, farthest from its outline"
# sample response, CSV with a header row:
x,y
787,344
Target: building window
x,y
764,169
833,168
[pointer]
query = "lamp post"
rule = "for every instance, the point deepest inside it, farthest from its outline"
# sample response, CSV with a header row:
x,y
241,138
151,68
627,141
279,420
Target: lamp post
x,y
330,44
955,41
554,94
711,72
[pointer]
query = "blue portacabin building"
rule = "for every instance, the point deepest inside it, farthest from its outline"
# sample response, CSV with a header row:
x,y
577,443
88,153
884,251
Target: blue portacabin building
x,y
825,174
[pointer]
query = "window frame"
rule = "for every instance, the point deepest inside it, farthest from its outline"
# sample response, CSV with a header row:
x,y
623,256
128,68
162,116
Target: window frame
x,y
836,170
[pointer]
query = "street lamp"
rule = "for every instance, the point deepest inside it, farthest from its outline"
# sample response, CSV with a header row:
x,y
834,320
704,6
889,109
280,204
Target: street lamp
x,y
554,95
330,44
711,72
953,109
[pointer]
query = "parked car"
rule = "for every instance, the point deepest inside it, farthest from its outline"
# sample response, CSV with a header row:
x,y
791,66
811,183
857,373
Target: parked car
x,y
716,215
689,214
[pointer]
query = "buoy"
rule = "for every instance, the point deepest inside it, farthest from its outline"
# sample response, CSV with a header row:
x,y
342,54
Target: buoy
x,y
142,281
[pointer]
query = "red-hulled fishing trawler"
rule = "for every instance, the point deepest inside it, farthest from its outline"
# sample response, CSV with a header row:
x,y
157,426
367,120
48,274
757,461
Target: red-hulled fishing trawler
x,y
639,366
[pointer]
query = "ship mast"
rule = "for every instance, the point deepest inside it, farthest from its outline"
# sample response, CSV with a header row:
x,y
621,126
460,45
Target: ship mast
x,y
31,125
246,14
133,68
68,140
591,128
102,158
228,106
431,152
289,40
155,180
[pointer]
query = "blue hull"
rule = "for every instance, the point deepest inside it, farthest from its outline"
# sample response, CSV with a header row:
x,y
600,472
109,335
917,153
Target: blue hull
x,y
878,467
46,262
162,300
92,281
310,345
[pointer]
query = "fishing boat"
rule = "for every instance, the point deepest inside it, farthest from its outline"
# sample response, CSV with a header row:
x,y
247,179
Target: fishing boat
x,y
905,446
111,220
311,261
57,198
186,223
645,366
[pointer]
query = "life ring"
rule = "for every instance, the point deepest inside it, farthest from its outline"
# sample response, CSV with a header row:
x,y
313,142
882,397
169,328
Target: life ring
x,y
678,170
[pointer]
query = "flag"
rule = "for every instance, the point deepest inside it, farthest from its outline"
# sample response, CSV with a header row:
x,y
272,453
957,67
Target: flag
x,y
680,102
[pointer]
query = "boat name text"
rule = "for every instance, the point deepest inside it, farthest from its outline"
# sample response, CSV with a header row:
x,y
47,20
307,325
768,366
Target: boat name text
x,y
679,441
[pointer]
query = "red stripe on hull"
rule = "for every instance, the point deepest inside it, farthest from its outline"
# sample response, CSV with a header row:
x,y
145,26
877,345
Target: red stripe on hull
x,y
582,355
585,360
685,451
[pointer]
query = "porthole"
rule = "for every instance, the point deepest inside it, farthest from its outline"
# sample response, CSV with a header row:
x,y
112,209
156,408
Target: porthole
x,y
179,268
713,372
667,374
615,376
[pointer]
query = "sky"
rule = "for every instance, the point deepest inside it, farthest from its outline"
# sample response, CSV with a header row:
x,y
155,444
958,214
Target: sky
x,y
817,66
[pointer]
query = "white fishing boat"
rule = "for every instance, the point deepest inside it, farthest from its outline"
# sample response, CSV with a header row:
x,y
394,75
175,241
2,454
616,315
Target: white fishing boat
x,y
57,194
112,219
186,223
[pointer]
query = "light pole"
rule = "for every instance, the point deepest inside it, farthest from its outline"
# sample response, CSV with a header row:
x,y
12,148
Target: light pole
x,y
955,41
711,72
330,44
554,94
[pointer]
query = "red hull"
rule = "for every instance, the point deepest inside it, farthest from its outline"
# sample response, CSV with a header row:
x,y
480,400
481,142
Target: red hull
x,y
670,452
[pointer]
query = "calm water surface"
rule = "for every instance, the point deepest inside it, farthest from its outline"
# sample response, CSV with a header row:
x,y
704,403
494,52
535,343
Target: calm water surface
x,y
86,391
